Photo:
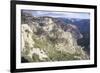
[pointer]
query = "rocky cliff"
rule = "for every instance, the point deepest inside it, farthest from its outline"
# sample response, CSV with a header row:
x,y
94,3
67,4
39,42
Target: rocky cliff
x,y
49,39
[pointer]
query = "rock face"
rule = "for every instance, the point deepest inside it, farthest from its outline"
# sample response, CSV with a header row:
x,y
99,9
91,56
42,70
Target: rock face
x,y
47,39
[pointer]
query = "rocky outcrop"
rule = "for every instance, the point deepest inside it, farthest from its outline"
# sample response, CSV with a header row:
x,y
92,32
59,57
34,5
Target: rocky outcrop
x,y
44,39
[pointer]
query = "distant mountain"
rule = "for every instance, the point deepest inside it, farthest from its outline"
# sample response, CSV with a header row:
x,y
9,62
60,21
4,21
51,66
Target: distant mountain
x,y
82,24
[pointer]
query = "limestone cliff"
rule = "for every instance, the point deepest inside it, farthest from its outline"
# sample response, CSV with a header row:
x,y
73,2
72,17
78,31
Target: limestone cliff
x,y
44,39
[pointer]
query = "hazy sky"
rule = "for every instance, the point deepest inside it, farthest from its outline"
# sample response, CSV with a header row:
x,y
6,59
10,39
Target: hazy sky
x,y
59,14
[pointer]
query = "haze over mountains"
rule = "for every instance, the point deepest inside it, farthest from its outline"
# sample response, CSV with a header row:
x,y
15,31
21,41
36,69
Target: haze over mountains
x,y
47,38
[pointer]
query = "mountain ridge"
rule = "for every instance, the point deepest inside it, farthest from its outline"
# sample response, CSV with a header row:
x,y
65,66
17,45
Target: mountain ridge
x,y
46,39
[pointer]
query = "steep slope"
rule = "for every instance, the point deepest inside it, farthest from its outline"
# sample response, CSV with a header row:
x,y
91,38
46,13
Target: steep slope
x,y
44,39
